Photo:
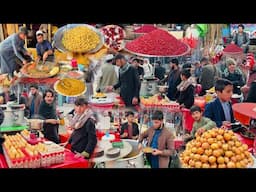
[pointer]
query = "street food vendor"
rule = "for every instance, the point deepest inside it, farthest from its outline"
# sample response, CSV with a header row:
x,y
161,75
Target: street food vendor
x,y
43,48
12,48
160,139
83,140
47,110
128,82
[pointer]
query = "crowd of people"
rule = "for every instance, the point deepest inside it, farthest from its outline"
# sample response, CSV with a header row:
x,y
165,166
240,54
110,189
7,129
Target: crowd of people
x,y
122,74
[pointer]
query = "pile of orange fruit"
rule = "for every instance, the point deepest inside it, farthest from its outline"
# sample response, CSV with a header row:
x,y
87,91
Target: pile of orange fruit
x,y
216,148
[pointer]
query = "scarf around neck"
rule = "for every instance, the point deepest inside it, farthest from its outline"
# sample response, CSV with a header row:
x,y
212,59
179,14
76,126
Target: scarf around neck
x,y
185,84
125,68
79,120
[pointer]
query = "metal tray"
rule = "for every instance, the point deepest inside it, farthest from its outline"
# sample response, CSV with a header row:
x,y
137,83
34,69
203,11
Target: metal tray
x,y
57,39
55,88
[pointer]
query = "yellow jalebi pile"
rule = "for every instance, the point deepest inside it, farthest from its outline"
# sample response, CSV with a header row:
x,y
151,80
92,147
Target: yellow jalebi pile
x,y
80,39
70,87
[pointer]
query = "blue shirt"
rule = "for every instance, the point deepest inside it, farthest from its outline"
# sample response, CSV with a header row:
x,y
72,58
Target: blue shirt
x,y
226,109
41,48
154,144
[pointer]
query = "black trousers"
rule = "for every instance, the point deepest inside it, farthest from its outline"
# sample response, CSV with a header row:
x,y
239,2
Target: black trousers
x,y
51,132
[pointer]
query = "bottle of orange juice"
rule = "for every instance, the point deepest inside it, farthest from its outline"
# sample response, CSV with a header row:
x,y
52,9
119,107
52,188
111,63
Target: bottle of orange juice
x,y
61,118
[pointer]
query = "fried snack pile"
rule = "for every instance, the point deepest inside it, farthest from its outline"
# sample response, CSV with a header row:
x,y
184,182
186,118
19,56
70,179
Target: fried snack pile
x,y
216,148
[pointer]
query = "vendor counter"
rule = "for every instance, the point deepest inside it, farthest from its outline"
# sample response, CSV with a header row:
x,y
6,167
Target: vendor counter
x,y
70,161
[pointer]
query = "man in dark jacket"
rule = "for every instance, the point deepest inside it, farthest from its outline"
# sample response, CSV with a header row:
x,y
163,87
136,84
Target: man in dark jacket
x,y
159,70
47,111
128,82
173,79
83,140
241,39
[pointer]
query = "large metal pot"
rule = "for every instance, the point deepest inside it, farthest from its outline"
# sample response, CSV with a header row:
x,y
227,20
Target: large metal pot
x,y
13,117
148,87
133,160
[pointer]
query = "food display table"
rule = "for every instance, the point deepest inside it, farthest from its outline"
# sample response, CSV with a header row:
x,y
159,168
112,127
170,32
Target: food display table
x,y
244,112
70,161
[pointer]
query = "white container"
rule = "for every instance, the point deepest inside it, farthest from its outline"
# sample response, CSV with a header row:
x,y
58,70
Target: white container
x,y
136,161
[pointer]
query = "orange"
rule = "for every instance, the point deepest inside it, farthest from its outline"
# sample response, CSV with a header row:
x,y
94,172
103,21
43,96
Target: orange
x,y
210,141
194,150
221,160
191,163
198,164
222,166
212,159
231,164
245,147
206,135
197,157
202,140
233,158
238,143
221,131
214,165
200,150
234,138
231,143
205,165
216,153
225,147
219,137
242,156
186,159
245,162
208,152
198,144
204,158
238,165
205,145
226,159
237,151
213,134
247,154
227,136
214,146
229,154
243,165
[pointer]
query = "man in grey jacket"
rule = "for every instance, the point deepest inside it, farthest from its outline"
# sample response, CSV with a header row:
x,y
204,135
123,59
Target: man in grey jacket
x,y
11,49
241,38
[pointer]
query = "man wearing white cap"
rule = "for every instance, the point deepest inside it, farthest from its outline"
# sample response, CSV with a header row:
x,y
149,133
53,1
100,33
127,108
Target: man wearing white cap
x,y
12,48
43,48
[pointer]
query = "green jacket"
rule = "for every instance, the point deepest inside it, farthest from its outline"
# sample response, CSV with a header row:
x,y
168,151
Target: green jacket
x,y
205,122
